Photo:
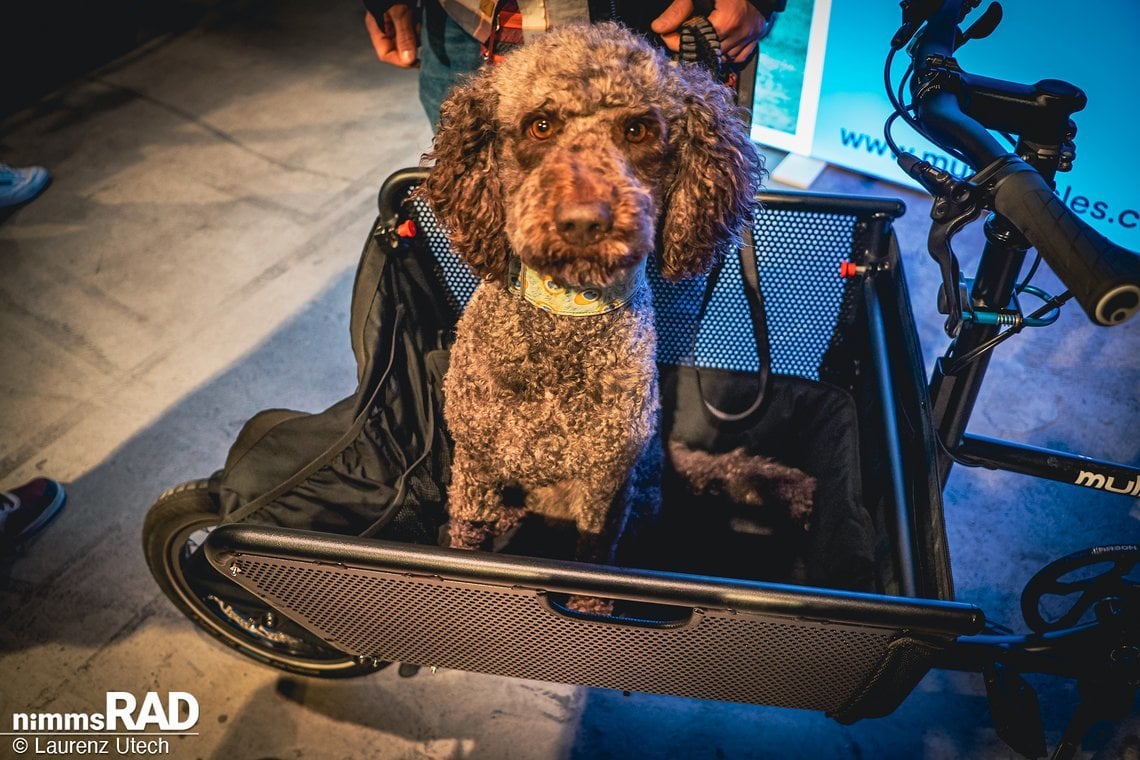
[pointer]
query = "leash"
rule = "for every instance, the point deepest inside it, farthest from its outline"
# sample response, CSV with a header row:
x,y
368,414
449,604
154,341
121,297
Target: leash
x,y
701,45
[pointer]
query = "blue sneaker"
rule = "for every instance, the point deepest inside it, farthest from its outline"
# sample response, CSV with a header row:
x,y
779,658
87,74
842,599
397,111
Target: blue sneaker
x,y
28,508
21,185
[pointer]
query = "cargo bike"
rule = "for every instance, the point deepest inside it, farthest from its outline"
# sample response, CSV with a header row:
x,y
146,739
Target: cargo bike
x,y
314,549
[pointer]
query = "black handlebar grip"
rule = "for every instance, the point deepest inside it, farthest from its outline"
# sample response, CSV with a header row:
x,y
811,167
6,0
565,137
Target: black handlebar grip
x,y
1104,277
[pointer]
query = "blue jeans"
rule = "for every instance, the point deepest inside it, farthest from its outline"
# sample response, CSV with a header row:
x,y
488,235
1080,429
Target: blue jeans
x,y
447,52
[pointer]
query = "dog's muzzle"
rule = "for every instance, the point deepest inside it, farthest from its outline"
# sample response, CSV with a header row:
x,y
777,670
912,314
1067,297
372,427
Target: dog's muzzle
x,y
583,223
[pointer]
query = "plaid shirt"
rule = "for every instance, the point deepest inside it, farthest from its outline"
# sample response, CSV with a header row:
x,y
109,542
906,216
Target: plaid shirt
x,y
499,25
517,18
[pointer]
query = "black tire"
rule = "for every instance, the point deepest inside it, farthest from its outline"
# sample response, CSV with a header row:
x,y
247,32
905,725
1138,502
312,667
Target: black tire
x,y
173,533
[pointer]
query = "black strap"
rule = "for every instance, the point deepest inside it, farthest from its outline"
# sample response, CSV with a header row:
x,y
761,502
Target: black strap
x,y
750,275
700,44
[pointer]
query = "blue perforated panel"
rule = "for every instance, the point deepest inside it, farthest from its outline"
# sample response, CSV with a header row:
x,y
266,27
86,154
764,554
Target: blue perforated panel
x,y
798,255
452,272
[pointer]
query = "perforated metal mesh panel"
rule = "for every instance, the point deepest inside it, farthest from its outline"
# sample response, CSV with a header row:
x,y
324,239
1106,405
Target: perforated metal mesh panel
x,y
511,631
798,255
450,270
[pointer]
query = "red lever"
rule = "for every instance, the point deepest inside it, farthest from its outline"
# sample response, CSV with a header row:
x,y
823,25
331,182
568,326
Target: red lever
x,y
848,269
407,229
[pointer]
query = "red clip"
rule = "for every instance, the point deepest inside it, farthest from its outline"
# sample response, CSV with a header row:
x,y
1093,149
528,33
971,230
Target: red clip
x,y
407,229
851,269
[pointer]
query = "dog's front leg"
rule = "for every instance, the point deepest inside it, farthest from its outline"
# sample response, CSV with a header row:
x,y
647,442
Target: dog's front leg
x,y
600,510
600,521
745,478
477,514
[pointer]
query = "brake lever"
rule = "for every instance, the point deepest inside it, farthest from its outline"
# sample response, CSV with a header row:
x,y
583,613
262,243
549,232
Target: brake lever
x,y
983,27
957,202
915,13
938,244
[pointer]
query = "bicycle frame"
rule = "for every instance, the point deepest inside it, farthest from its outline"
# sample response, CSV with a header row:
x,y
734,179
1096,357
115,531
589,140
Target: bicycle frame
x,y
956,382
1040,116
1085,653
1098,654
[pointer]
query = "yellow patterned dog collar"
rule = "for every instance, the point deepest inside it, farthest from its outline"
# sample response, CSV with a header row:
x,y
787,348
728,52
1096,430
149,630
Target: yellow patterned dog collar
x,y
569,301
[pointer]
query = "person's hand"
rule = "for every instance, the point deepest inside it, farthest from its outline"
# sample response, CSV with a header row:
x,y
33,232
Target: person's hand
x,y
394,37
737,23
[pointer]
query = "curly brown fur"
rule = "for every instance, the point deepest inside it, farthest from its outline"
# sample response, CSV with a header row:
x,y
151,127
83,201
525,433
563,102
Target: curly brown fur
x,y
746,479
591,82
578,154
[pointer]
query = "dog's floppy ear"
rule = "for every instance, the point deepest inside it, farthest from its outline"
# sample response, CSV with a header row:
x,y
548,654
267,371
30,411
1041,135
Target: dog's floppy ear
x,y
463,188
718,171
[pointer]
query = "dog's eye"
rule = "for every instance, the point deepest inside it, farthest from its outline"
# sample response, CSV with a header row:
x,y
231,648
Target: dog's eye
x,y
636,131
541,128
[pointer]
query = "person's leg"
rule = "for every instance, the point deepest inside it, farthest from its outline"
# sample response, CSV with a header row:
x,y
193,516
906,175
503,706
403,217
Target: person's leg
x,y
20,185
447,52
27,509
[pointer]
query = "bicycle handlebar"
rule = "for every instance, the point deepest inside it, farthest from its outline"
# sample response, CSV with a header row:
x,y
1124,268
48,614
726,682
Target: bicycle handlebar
x,y
940,112
1104,277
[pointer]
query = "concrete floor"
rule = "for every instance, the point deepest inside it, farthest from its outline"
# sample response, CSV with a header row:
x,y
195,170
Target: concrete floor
x,y
191,265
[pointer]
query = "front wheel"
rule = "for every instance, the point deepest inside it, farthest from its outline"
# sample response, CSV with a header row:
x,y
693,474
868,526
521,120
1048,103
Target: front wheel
x,y
173,533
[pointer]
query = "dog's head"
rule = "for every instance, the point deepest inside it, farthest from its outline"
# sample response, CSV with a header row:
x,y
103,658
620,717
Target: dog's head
x,y
585,151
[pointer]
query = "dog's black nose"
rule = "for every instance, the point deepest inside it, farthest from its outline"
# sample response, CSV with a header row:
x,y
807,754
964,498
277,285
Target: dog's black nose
x,y
583,223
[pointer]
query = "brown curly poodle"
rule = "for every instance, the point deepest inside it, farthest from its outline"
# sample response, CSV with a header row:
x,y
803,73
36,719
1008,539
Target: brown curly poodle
x,y
557,173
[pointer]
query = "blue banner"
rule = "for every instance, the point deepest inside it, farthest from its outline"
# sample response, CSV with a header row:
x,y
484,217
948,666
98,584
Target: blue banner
x,y
1087,44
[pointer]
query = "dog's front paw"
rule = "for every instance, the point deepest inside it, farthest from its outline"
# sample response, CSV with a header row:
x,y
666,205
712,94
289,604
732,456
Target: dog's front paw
x,y
480,534
591,605
468,534
797,490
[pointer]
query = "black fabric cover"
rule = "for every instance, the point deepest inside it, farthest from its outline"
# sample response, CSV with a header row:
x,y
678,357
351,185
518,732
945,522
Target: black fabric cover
x,y
374,463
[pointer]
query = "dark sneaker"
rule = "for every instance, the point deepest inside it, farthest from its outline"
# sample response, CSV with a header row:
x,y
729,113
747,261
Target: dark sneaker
x,y
21,185
28,508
